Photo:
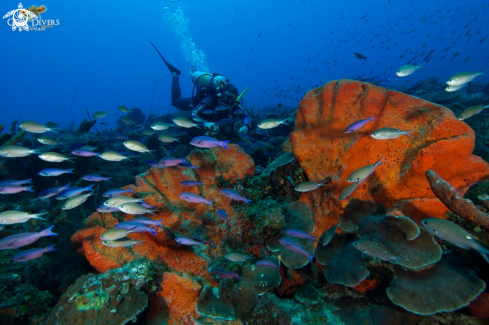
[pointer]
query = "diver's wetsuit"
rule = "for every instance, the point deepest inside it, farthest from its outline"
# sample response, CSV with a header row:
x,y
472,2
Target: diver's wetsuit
x,y
207,98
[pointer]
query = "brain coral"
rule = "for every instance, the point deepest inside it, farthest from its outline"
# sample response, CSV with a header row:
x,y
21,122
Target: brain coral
x,y
439,141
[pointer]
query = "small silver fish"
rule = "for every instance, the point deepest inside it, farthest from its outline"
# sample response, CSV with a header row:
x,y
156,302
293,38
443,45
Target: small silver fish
x,y
100,114
348,191
117,201
167,138
363,172
271,123
464,77
115,233
471,111
309,186
237,257
55,157
75,201
123,242
452,233
185,122
112,156
136,146
161,126
330,233
16,151
389,133
134,208
454,88
374,250
14,217
408,69
34,127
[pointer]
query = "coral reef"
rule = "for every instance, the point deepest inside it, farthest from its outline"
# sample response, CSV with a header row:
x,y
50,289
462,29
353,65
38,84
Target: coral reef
x,y
455,202
323,149
115,297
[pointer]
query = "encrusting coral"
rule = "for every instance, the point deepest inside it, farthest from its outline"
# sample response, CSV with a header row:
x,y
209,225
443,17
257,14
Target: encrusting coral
x,y
115,297
456,202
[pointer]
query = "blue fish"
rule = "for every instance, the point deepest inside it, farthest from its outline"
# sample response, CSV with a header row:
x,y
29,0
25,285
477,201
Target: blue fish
x,y
246,136
226,120
222,215
152,163
186,164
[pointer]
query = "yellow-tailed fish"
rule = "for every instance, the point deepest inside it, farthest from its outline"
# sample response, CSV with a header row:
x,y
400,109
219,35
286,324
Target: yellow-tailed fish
x,y
115,233
126,120
123,242
136,146
309,186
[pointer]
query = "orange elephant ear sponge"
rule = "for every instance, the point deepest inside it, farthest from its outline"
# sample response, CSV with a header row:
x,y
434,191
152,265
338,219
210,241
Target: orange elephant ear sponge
x,y
439,141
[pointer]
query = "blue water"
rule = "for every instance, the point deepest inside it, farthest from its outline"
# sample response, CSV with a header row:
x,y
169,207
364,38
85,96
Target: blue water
x,y
103,47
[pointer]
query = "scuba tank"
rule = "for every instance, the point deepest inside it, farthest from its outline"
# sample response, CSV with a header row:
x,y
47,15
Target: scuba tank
x,y
211,81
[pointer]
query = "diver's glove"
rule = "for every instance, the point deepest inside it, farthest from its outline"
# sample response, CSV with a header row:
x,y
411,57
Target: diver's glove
x,y
244,129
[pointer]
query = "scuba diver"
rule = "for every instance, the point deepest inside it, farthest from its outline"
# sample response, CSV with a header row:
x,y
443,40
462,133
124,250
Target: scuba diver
x,y
216,99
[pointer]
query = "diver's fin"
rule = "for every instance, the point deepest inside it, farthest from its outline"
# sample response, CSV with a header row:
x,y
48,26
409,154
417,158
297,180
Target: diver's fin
x,y
168,65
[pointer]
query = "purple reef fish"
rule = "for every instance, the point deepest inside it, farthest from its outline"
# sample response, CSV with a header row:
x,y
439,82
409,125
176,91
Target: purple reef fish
x,y
147,205
226,274
54,172
358,124
170,161
117,192
74,191
31,254
208,142
15,189
95,178
191,183
222,215
194,198
15,182
20,240
84,153
147,221
188,242
267,263
293,246
52,191
299,234
135,227
234,195
106,209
